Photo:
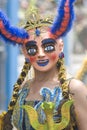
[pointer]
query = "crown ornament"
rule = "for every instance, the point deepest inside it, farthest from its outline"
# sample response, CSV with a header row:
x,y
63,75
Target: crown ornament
x,y
34,20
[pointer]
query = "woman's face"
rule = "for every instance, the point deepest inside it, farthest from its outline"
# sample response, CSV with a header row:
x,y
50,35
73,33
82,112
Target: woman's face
x,y
42,51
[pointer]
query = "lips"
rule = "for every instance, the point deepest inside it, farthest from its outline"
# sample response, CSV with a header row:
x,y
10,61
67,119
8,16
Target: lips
x,y
42,62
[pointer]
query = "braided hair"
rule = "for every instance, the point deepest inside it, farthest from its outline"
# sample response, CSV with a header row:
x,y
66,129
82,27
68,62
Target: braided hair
x,y
7,118
62,77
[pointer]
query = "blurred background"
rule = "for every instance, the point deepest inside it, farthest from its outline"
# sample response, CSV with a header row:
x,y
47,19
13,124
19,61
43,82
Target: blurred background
x,y
11,58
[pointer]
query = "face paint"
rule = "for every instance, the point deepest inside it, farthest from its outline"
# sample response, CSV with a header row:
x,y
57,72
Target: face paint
x,y
48,45
48,40
42,53
37,32
30,43
42,62
53,56
31,48
49,48
32,51
32,59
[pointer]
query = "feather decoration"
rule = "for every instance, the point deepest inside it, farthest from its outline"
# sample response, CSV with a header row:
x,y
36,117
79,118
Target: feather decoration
x,y
64,19
11,33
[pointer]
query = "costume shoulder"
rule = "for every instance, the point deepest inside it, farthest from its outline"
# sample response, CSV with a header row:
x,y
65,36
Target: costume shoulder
x,y
76,86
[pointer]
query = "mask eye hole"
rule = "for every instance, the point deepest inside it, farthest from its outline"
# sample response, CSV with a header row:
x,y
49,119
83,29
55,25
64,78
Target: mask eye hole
x,y
32,51
49,48
31,48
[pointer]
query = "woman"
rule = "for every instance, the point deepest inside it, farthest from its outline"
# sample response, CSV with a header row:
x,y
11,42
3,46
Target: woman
x,y
51,91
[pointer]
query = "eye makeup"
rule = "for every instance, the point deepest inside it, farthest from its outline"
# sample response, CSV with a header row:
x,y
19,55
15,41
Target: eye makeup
x,y
30,43
48,40
49,48
48,45
31,48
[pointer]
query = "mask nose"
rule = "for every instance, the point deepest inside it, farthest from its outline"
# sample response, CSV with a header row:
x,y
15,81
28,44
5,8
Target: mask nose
x,y
41,52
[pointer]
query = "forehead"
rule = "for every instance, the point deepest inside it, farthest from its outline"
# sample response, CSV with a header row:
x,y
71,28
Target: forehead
x,y
43,35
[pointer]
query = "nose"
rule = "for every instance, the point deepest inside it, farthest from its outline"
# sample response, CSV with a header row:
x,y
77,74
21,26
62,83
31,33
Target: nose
x,y
41,52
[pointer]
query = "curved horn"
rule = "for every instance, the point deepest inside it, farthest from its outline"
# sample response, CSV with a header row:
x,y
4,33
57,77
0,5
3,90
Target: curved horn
x,y
10,33
64,19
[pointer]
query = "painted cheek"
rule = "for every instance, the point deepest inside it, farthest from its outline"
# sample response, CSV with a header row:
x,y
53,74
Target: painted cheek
x,y
32,59
53,56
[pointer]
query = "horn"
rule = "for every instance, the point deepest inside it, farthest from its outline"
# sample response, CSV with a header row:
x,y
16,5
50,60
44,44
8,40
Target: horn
x,y
10,33
64,19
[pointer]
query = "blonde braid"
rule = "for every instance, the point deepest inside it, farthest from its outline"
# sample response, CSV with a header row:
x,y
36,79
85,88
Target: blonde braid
x,y
62,77
17,85
7,117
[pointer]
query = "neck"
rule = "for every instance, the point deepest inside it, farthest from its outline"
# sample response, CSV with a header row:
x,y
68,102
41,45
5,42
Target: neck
x,y
46,76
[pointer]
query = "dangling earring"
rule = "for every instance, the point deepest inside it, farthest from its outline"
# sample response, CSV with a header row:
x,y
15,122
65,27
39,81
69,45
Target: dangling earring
x,y
27,60
61,55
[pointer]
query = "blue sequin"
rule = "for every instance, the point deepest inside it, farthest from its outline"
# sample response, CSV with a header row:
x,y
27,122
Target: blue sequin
x,y
37,32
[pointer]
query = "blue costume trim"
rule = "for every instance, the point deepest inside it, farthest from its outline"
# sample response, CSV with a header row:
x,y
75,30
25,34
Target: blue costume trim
x,y
21,102
20,118
59,18
54,95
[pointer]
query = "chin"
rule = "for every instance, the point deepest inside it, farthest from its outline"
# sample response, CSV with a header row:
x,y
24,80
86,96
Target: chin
x,y
43,69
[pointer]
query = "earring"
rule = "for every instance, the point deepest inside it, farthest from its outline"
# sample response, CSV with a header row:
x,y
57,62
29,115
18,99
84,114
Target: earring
x,y
61,55
27,60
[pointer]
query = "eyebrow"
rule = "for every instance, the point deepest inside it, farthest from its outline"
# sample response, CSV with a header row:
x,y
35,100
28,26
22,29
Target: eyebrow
x,y
31,43
48,40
